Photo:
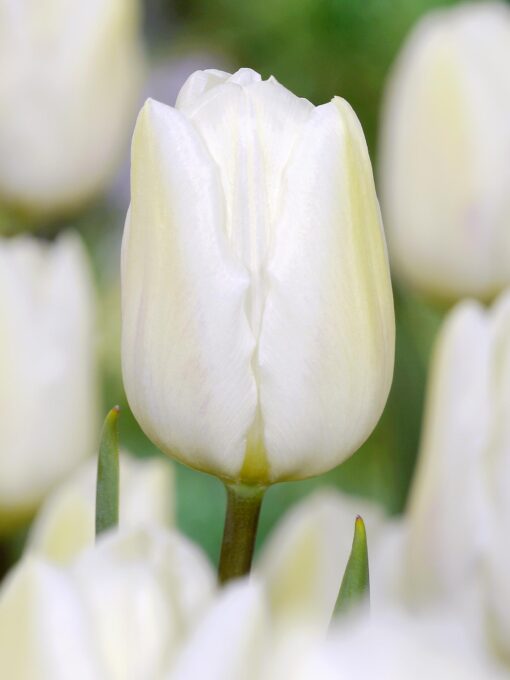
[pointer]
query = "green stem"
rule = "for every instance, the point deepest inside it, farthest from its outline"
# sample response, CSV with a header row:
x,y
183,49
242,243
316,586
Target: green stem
x,y
242,518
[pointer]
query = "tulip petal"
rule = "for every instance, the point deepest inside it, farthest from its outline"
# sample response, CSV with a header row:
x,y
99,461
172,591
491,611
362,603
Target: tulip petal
x,y
325,357
229,641
144,591
250,127
197,84
187,346
44,632
447,507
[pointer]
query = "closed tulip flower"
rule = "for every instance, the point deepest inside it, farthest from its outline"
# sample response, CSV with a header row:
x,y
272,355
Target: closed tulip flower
x,y
445,144
69,80
456,553
48,382
258,328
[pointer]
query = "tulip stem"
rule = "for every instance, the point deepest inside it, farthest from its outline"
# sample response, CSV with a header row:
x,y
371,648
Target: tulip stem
x,y
241,521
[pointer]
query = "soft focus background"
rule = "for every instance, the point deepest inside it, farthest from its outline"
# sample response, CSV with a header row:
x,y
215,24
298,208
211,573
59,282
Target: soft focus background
x,y
316,48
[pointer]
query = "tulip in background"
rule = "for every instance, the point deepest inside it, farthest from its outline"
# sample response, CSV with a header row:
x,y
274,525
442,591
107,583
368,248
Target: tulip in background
x,y
48,382
455,550
70,74
258,328
118,612
445,144
143,602
235,640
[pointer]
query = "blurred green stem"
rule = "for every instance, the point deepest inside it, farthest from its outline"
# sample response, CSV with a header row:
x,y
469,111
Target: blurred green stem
x,y
241,521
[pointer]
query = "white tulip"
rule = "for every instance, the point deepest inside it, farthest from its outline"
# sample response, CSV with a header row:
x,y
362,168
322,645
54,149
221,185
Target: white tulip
x,y
120,612
258,328
459,509
70,73
445,144
65,523
48,382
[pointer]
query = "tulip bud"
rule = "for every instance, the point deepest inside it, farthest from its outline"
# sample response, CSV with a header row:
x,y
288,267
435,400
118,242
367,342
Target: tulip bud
x,y
69,78
447,506
459,509
258,328
48,386
445,144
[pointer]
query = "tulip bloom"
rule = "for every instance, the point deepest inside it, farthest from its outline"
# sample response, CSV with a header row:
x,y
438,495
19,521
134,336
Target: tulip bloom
x,y
48,382
445,143
456,552
70,74
120,611
258,328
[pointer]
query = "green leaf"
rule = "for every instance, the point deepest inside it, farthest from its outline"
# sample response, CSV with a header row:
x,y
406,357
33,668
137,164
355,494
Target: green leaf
x,y
107,488
356,583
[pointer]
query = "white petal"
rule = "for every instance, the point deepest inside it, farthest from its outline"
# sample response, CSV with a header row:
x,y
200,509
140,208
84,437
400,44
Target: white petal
x,y
497,469
44,630
250,128
201,82
396,646
198,83
447,507
187,347
327,340
144,591
228,643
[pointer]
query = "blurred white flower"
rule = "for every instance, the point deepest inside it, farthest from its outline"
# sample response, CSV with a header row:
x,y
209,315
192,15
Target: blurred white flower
x,y
143,603
235,639
445,144
70,73
258,328
65,523
231,640
119,612
48,381
396,646
456,553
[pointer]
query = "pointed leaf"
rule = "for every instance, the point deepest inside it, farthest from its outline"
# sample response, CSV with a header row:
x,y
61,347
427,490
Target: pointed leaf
x,y
107,489
355,583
